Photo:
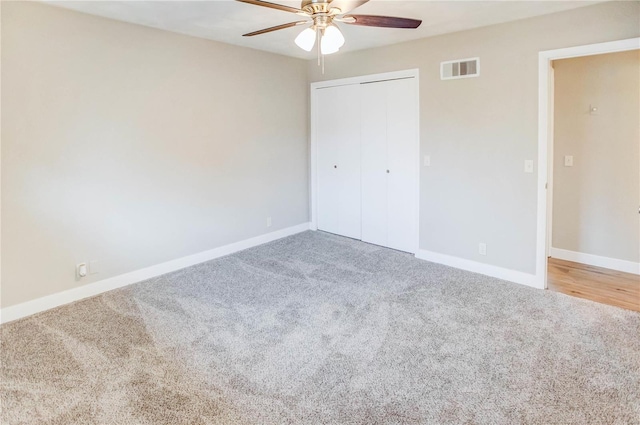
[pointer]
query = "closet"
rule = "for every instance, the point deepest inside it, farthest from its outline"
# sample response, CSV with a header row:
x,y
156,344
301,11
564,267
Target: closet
x,y
366,153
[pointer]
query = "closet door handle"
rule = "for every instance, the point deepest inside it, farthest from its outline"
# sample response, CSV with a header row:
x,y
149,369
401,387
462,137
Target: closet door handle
x,y
387,171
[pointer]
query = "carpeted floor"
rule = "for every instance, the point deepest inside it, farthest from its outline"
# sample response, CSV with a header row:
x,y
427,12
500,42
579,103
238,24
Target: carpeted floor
x,y
319,329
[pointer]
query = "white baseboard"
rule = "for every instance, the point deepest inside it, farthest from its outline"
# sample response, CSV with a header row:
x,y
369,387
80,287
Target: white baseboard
x,y
28,308
481,268
595,260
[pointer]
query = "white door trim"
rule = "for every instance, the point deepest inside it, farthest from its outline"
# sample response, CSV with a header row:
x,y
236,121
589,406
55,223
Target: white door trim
x,y
544,95
550,158
409,73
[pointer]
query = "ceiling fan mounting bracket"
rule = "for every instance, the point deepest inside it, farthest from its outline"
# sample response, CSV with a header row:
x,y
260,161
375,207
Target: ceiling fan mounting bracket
x,y
318,7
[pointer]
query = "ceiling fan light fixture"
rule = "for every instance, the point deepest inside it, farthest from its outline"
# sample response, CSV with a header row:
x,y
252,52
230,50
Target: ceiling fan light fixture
x,y
306,39
332,40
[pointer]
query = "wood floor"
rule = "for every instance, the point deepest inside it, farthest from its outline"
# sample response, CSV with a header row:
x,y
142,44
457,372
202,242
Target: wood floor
x,y
595,283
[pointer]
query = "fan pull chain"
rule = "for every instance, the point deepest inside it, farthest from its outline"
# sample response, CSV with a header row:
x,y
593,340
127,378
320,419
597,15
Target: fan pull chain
x,y
318,39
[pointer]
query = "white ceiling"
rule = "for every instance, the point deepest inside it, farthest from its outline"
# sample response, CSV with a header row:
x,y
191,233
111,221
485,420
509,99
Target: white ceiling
x,y
227,20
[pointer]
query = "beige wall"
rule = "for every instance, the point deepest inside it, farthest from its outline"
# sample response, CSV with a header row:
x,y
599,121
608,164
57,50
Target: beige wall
x,y
134,146
595,202
479,131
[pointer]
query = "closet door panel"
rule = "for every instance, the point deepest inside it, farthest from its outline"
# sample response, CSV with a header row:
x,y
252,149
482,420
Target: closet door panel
x,y
401,158
326,163
347,107
338,160
374,163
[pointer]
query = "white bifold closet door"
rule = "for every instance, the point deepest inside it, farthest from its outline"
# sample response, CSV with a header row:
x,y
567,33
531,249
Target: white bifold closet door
x,y
388,123
338,160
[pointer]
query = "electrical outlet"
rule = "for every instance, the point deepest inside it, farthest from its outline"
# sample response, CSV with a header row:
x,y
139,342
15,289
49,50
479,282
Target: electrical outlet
x,y
427,161
268,221
568,160
482,248
81,270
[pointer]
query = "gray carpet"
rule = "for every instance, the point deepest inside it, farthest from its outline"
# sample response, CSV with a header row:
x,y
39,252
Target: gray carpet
x,y
319,329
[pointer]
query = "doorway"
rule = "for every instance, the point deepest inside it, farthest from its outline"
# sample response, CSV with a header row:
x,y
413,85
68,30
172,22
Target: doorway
x,y
592,236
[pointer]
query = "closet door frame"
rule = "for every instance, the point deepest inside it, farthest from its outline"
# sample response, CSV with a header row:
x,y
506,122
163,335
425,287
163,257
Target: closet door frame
x,y
313,189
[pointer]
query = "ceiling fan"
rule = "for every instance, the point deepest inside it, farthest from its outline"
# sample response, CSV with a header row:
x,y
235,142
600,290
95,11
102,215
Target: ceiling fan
x,y
324,14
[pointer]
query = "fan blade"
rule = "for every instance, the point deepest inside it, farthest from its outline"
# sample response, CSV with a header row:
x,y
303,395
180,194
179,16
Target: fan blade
x,y
275,6
345,6
279,27
381,21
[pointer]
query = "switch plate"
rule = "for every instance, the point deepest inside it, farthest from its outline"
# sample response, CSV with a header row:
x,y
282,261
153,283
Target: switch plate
x,y
268,221
482,248
568,160
427,161
94,267
528,166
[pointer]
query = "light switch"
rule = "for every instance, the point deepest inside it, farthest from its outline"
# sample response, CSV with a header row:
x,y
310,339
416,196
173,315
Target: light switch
x,y
528,166
568,160
427,161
